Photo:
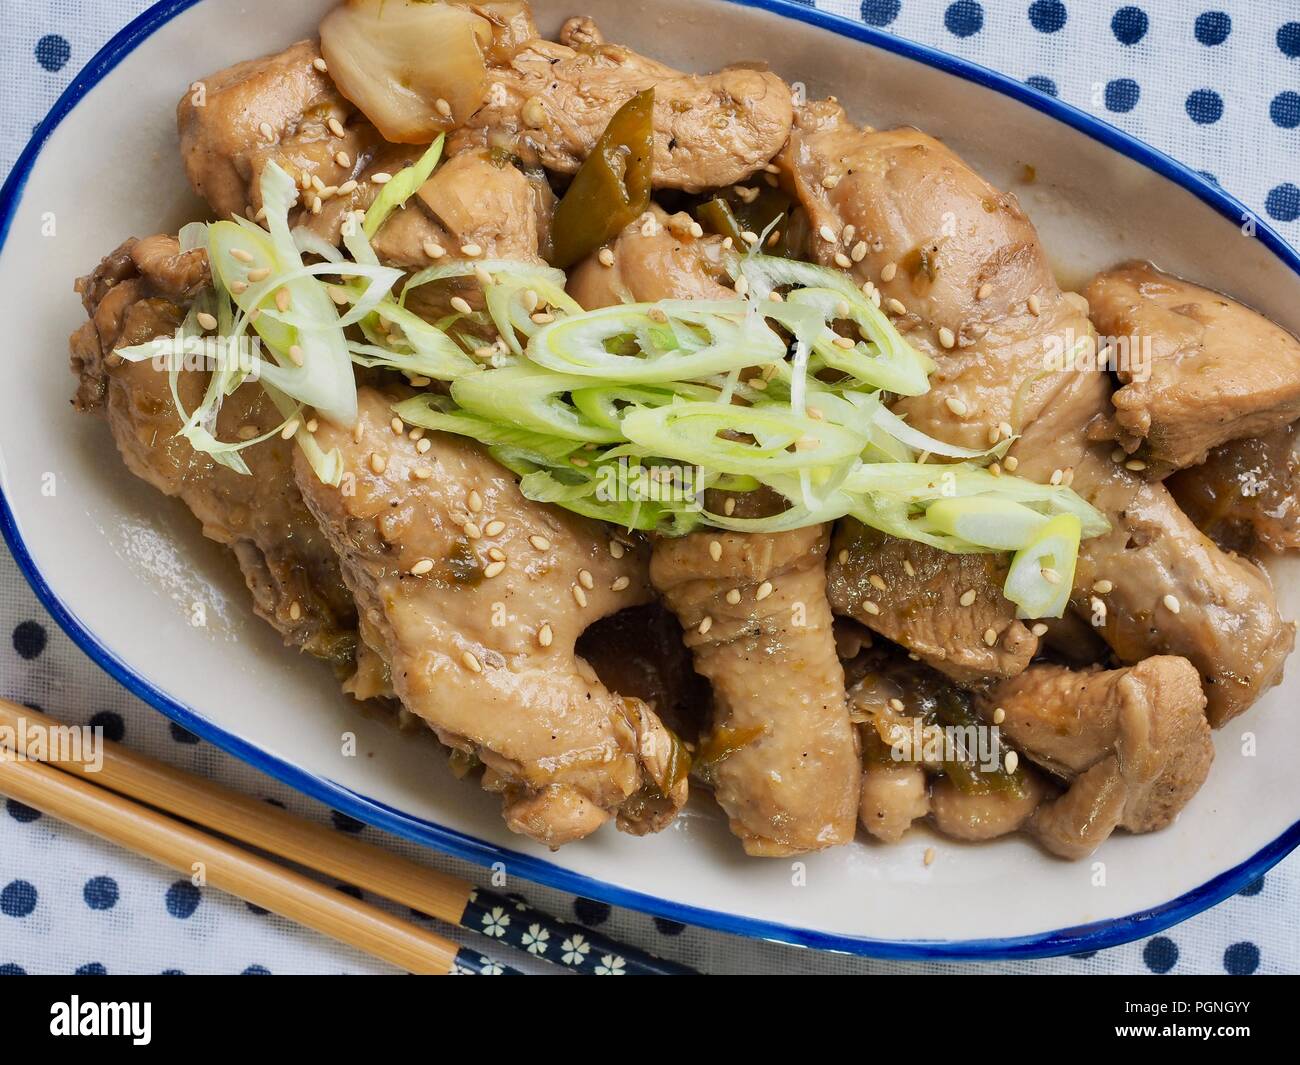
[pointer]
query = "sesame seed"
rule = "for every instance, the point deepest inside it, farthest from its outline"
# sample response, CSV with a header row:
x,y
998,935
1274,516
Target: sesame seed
x,y
897,306
984,291
999,716
482,276
1039,630
1103,586
422,473
995,469
908,568
282,299
616,549
357,430
830,181
579,596
705,625
888,271
585,579
1136,465
1012,760
827,234
260,274
266,131
377,462
319,64
382,178
957,406
471,663
442,107
696,230
776,297
928,857
764,590
733,596
620,583
1050,575
1035,305
870,607
347,187
859,251
843,555
492,569
847,343
434,250
1011,463
495,527
336,127
545,635
422,567
877,582
749,236
746,194
496,554
544,318
458,304
316,205
946,338
1172,604
606,257
290,427
206,321
990,636
715,550
242,255
539,542
472,531
842,260
967,597
1056,476
472,251
729,507
396,426
338,295
295,611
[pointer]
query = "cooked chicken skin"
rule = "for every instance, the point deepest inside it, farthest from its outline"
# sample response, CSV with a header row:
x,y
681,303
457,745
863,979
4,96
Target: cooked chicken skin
x,y
291,570
1134,742
1219,371
920,597
1246,494
655,258
486,657
892,798
278,108
757,620
710,130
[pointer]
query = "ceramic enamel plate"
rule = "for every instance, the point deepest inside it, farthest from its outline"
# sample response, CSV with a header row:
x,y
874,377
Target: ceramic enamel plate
x,y
122,569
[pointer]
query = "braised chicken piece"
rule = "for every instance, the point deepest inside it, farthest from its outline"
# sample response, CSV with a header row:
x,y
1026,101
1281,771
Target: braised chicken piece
x,y
657,257
1133,744
781,753
1246,494
139,293
281,108
965,266
947,609
1155,584
926,753
551,102
475,597
471,199
1218,371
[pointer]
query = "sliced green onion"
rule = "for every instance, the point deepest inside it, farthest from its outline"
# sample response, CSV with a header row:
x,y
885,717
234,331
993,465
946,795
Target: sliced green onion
x,y
994,523
401,187
1042,572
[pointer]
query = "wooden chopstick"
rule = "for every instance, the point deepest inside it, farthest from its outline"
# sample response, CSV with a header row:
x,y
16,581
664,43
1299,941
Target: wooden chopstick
x,y
226,866
352,861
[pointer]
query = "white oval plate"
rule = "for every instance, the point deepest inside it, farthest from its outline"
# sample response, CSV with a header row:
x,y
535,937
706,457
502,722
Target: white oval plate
x,y
121,569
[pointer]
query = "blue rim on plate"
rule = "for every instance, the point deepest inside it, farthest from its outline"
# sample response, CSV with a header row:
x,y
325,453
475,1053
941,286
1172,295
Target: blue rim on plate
x,y
1076,939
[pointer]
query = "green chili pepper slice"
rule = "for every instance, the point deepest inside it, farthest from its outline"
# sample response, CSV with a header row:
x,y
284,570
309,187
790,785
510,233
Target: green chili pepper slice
x,y
611,188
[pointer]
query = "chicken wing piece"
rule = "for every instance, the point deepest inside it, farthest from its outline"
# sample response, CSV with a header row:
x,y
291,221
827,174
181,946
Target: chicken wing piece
x,y
1133,743
1156,585
279,108
947,609
553,100
475,597
657,257
755,615
1217,370
139,293
1246,494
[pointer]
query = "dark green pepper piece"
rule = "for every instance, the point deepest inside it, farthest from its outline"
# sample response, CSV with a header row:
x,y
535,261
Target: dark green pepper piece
x,y
611,188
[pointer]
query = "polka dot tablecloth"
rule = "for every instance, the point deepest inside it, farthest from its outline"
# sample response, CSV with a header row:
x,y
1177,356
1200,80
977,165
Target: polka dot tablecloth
x,y
1215,83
